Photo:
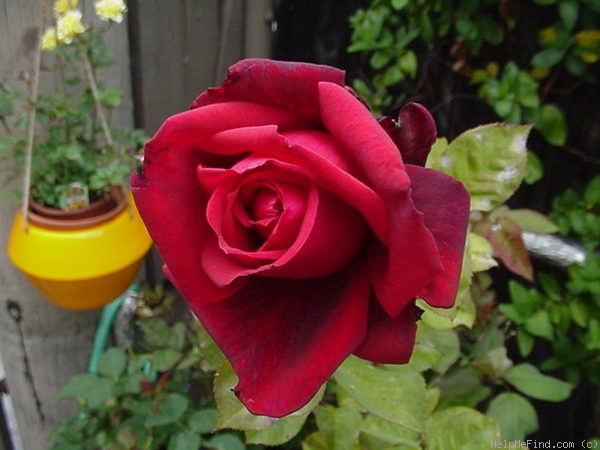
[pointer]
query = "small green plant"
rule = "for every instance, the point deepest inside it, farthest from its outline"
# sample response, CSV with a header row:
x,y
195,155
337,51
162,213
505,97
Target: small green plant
x,y
401,40
564,311
155,393
73,142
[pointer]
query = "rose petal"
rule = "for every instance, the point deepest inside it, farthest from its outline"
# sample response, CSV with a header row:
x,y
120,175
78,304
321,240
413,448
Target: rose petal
x,y
329,237
413,133
261,140
325,245
389,340
317,153
353,126
288,85
229,204
191,128
167,193
333,169
444,202
407,259
300,332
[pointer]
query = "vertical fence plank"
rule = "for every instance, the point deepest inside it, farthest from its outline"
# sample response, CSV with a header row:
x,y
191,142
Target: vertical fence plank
x,y
184,46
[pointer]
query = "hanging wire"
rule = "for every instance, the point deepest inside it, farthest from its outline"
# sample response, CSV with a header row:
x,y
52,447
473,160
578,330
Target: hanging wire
x,y
32,114
91,78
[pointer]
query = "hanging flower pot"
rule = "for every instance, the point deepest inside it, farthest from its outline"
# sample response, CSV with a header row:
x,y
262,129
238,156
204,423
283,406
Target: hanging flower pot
x,y
81,259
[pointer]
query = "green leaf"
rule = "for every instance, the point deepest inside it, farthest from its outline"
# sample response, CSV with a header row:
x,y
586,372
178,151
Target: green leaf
x,y
231,413
399,5
525,342
393,75
165,359
409,63
515,415
95,390
445,341
111,97
390,433
139,406
170,410
539,325
224,441
490,159
212,355
460,428
535,169
579,312
394,393
592,193
425,355
339,426
184,441
530,220
490,339
279,433
316,441
481,252
495,363
156,332
553,125
593,336
462,313
203,421
380,59
548,57
112,362
530,381
511,312
129,384
550,286
569,13
460,382
177,336
527,301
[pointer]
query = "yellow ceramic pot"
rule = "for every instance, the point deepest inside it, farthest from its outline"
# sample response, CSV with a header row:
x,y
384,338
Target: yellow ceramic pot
x,y
85,267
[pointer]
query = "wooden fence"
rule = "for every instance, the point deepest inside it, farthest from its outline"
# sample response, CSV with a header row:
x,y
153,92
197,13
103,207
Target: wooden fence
x,y
170,51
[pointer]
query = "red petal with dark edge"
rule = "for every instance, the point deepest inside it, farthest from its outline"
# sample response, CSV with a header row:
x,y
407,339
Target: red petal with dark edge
x,y
413,133
407,259
288,85
285,338
444,202
389,340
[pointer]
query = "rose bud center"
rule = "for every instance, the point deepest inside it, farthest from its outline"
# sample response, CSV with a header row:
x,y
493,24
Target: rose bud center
x,y
266,206
280,224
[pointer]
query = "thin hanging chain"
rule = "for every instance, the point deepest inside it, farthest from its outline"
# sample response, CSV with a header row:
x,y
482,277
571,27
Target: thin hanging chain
x,y
32,114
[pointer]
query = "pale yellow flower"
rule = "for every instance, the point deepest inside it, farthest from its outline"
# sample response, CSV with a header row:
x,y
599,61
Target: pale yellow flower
x,y
63,6
69,25
110,10
49,39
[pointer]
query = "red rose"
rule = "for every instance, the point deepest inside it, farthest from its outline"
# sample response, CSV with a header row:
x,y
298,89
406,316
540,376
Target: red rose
x,y
289,221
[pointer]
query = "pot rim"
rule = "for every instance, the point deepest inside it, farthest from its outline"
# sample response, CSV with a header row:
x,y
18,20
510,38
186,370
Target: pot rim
x,y
98,212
